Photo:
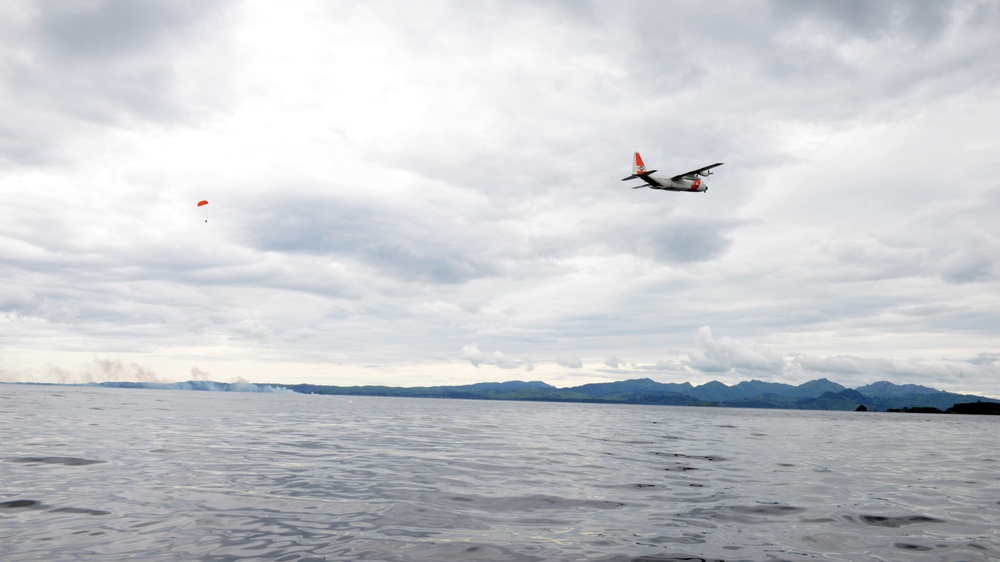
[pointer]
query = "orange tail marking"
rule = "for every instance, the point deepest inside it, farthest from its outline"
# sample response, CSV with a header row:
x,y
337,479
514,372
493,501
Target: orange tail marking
x,y
639,166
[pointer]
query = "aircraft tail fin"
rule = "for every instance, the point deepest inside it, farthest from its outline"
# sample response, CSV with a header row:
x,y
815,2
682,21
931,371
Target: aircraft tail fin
x,y
638,168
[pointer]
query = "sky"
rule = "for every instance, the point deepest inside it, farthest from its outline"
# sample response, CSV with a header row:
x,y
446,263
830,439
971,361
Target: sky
x,y
428,193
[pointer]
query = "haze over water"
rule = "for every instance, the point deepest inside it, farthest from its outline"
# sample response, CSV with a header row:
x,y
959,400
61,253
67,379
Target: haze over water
x,y
97,473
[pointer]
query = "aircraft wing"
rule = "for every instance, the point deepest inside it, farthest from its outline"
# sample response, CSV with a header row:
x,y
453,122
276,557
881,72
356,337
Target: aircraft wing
x,y
697,172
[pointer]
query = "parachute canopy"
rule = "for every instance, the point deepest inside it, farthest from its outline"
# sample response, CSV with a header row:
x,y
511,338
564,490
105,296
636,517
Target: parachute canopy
x,y
202,203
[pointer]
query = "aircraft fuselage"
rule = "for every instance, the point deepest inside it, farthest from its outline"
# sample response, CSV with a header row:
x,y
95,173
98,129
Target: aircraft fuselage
x,y
669,184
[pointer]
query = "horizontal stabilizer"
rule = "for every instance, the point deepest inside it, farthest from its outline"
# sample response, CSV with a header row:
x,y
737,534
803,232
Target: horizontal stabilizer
x,y
634,176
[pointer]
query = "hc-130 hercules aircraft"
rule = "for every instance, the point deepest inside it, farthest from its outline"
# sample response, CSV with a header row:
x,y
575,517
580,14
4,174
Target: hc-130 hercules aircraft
x,y
688,181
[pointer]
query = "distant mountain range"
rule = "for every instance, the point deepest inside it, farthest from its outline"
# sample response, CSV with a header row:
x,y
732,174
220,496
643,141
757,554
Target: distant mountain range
x,y
820,394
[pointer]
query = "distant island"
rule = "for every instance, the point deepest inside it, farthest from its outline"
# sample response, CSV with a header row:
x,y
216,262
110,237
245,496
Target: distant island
x,y
820,394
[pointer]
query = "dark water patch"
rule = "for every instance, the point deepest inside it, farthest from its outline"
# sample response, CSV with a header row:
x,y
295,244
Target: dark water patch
x,y
67,461
912,547
884,521
773,509
354,548
679,468
709,458
675,558
402,515
308,444
19,504
748,514
80,510
535,502
686,538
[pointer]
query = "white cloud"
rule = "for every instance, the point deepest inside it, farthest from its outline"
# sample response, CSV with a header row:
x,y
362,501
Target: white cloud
x,y
474,355
726,354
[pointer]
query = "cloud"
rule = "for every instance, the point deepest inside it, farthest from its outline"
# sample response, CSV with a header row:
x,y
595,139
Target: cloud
x,y
942,374
570,362
921,21
105,62
397,240
986,359
833,365
252,330
726,354
391,181
691,240
474,355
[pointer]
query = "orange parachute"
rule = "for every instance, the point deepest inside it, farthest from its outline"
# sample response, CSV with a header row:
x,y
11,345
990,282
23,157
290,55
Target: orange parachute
x,y
204,202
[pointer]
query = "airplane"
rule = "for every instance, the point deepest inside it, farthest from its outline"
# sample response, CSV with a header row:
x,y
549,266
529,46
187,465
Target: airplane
x,y
688,181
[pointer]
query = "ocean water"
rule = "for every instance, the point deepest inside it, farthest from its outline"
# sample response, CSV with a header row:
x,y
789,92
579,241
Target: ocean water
x,y
115,474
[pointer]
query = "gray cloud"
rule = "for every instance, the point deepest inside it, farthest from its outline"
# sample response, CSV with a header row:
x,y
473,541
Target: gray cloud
x,y
691,239
400,241
570,362
840,365
922,20
109,28
986,359
102,62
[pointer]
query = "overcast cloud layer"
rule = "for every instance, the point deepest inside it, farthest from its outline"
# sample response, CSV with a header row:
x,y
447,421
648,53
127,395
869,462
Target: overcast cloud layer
x,y
416,193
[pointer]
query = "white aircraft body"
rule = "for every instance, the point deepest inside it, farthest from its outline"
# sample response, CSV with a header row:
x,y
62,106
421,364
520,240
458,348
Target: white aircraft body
x,y
688,181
